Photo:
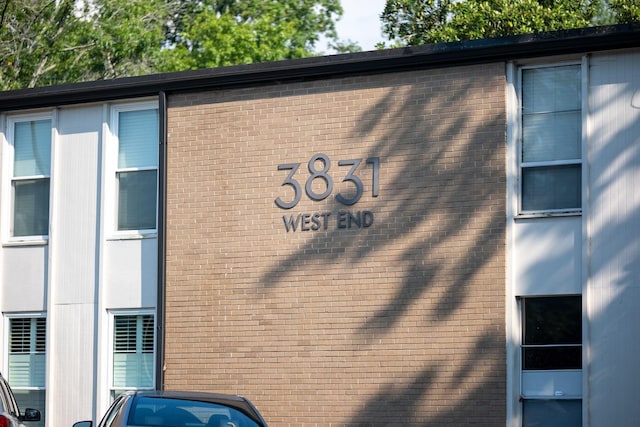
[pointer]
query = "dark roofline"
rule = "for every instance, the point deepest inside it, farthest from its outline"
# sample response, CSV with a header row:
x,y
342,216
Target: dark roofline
x,y
372,62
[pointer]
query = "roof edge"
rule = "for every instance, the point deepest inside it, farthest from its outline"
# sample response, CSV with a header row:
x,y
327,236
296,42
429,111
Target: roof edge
x,y
371,62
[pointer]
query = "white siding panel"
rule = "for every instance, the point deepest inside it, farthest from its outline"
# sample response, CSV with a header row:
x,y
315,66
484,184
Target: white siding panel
x,y
70,389
130,273
24,278
74,254
614,227
74,231
548,256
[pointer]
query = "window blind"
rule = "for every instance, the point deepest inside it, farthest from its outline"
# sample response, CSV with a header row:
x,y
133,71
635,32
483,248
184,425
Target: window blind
x,y
32,148
133,352
27,357
138,139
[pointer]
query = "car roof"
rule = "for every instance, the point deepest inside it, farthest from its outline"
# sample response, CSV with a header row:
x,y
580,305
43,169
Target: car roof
x,y
234,401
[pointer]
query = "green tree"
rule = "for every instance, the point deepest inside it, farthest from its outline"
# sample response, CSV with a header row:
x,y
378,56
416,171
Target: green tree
x,y
415,22
53,42
30,32
625,11
224,32
44,42
120,38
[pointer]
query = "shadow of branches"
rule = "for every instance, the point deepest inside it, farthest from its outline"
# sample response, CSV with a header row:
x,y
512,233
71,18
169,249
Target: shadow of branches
x,y
438,238
402,322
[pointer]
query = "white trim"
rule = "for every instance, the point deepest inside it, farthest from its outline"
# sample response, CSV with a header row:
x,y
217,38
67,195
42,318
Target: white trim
x,y
513,315
586,234
102,357
111,169
512,338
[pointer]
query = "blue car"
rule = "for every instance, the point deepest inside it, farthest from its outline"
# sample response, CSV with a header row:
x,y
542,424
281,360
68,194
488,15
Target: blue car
x,y
179,409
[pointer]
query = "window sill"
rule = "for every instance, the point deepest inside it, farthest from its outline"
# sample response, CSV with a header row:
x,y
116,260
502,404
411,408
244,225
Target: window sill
x,y
551,397
34,241
133,236
531,215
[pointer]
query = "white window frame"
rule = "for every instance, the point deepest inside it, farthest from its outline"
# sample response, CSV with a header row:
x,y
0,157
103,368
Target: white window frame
x,y
112,390
8,178
519,131
111,177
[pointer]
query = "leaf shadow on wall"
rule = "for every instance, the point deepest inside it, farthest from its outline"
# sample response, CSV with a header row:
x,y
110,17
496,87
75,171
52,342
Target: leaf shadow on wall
x,y
449,196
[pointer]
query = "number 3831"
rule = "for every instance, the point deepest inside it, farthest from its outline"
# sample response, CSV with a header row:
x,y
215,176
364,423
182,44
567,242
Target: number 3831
x,y
318,167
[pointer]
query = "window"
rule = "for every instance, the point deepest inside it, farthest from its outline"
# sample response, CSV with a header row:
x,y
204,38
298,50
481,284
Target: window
x,y
31,143
552,361
27,361
137,168
133,353
552,333
551,145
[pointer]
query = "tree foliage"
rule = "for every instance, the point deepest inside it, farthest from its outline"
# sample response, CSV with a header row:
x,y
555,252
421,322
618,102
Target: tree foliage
x,y
626,10
415,22
120,38
44,42
226,32
29,31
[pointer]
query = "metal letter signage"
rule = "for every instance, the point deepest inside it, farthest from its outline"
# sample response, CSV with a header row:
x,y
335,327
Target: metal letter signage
x,y
318,167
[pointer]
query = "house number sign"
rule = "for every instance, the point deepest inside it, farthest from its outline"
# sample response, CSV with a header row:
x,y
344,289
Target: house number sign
x,y
319,170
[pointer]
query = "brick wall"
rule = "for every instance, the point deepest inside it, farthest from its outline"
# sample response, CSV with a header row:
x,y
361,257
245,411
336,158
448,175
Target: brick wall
x,y
397,321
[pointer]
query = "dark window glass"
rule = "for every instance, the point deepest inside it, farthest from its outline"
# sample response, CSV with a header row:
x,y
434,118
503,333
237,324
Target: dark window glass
x,y
553,320
137,198
552,413
541,358
551,187
31,207
162,411
552,336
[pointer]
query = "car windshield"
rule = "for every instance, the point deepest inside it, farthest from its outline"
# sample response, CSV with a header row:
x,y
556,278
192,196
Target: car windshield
x,y
169,412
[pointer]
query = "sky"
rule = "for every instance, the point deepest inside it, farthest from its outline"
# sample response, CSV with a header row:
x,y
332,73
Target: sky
x,y
359,23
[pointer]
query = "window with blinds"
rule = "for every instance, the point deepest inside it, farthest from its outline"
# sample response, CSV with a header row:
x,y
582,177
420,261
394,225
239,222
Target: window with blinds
x,y
133,351
27,343
30,180
137,169
27,352
551,144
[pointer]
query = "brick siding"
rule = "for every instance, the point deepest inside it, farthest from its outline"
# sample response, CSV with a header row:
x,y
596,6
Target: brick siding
x,y
399,322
